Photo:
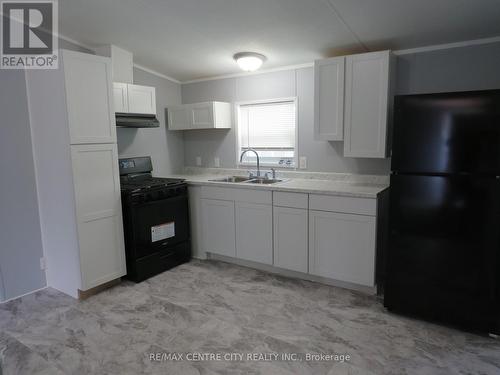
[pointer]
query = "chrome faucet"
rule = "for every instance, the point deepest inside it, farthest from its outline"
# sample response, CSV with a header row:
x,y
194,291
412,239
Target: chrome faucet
x,y
256,154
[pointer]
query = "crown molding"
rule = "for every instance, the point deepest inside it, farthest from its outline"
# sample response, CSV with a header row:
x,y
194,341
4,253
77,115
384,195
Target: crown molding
x,y
158,74
437,47
138,66
74,41
246,74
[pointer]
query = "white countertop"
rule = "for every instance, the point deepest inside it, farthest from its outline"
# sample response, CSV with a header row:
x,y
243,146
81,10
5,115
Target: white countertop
x,y
297,185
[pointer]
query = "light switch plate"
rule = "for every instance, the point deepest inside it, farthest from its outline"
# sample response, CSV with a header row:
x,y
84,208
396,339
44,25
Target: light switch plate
x,y
198,161
303,162
217,162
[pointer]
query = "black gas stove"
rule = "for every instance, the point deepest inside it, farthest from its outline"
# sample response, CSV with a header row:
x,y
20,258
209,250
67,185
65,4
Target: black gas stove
x,y
156,220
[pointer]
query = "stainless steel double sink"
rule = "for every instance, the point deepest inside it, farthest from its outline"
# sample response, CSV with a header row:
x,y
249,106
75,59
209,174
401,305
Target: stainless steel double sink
x,y
247,180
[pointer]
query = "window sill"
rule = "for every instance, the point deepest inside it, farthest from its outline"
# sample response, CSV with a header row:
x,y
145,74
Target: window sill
x,y
277,167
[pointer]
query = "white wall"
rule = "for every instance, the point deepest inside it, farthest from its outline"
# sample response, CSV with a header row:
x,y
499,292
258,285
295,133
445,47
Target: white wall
x,y
321,156
20,234
166,148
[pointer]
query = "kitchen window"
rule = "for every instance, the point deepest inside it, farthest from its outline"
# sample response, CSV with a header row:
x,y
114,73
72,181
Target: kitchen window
x,y
269,127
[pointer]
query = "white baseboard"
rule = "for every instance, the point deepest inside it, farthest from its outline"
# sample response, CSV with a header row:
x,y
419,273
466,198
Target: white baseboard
x,y
23,295
293,274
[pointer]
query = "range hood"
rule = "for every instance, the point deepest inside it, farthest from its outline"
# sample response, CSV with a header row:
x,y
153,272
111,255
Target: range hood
x,y
136,120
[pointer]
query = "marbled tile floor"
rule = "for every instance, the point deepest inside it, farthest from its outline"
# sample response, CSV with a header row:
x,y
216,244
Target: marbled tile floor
x,y
208,306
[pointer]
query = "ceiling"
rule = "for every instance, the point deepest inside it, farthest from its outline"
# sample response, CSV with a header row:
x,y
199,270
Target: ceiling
x,y
191,39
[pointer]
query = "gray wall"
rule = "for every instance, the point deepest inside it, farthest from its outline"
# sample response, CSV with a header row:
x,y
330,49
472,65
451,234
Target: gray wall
x,y
464,68
20,235
321,156
455,69
166,148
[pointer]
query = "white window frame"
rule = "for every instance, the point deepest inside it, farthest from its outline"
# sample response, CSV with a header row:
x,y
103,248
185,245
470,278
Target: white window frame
x,y
237,105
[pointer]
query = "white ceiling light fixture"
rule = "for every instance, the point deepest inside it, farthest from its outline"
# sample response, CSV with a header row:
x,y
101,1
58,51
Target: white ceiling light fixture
x,y
249,61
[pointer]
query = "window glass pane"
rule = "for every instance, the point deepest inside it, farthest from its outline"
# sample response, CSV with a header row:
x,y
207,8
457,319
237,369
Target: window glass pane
x,y
270,129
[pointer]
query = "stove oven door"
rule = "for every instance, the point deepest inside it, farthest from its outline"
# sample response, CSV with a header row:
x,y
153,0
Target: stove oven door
x,y
158,225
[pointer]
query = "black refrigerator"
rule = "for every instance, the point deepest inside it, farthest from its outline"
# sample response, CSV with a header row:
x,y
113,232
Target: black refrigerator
x,y
443,256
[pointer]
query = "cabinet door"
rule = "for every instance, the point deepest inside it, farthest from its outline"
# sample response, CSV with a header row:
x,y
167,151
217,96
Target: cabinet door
x,y
202,115
99,215
254,232
342,247
141,99
179,118
222,115
290,238
366,104
195,221
329,99
120,97
218,227
89,98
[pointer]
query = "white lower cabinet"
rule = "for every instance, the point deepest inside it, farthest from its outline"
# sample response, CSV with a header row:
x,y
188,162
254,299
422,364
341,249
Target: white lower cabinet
x,y
330,237
98,211
218,227
254,232
342,247
290,238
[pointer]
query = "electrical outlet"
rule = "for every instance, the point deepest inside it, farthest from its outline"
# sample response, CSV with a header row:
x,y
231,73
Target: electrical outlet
x,y
43,264
198,161
303,162
217,162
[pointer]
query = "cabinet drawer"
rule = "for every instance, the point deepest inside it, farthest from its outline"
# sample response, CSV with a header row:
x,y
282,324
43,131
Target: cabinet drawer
x,y
293,200
236,194
360,206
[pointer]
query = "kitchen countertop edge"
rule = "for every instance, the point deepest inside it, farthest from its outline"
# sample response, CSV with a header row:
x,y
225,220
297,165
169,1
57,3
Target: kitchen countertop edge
x,y
326,187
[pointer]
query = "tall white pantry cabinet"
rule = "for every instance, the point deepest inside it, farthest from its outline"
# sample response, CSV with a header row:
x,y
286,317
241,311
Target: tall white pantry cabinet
x,y
76,162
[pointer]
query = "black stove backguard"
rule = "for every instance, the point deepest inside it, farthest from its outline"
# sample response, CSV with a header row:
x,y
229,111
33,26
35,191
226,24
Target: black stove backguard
x,y
132,166
156,220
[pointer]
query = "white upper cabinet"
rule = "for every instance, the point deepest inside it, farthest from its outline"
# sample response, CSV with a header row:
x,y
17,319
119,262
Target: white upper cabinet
x,y
206,115
130,98
352,101
178,118
367,94
202,115
120,97
89,98
141,99
329,99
